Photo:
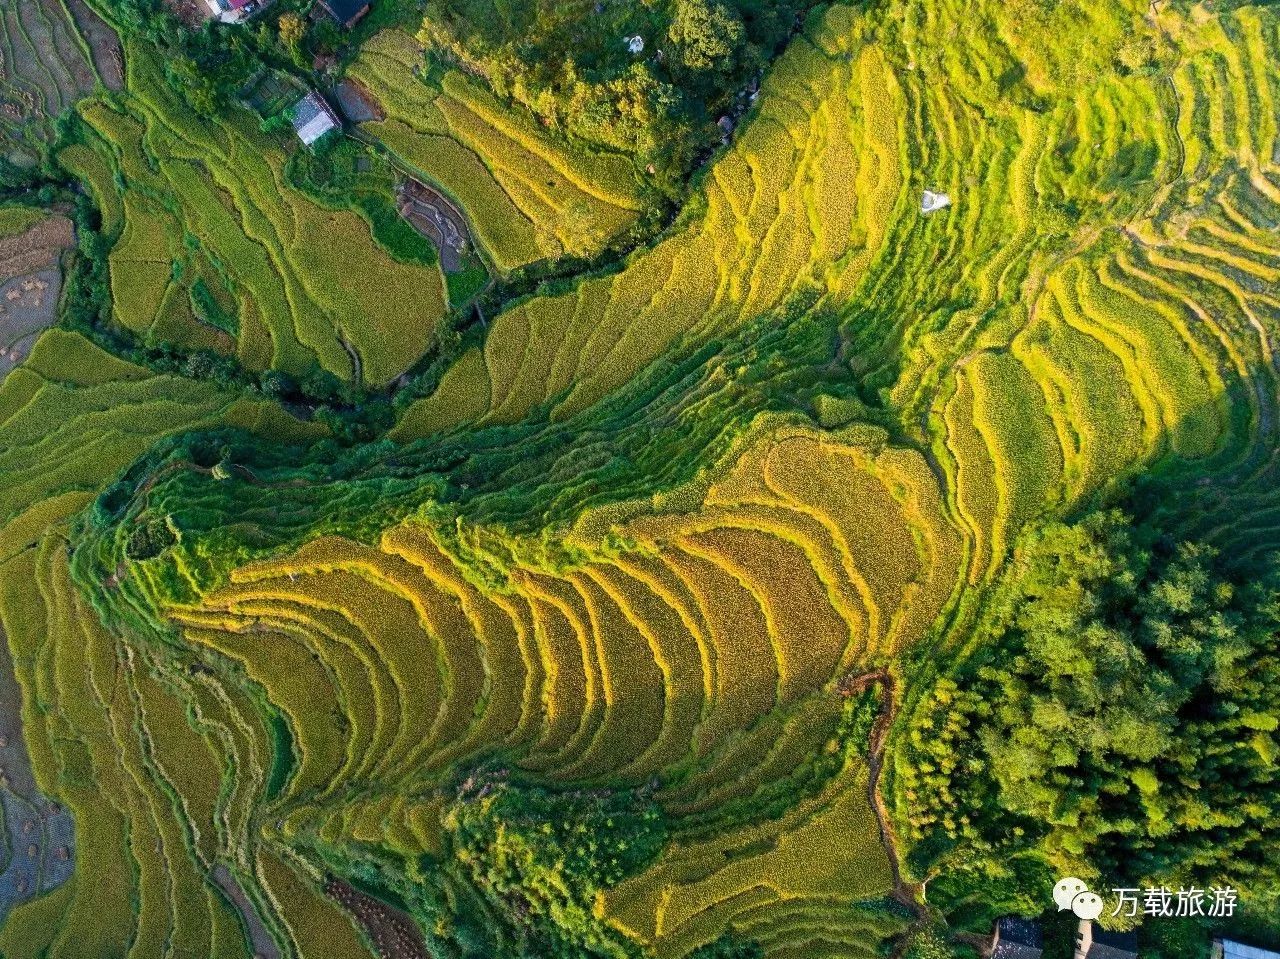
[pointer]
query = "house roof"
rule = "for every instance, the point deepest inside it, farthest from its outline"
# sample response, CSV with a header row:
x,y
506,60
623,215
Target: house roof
x,y
1017,939
1013,950
1022,931
1113,945
346,12
1239,950
312,118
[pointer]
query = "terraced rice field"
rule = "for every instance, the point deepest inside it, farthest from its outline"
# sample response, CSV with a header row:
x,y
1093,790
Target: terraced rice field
x,y
96,742
214,252
644,540
529,196
1136,337
780,216
51,54
652,664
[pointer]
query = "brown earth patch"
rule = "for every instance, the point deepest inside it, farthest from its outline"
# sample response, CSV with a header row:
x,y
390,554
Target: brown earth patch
x,y
436,218
357,104
30,284
103,43
38,248
393,934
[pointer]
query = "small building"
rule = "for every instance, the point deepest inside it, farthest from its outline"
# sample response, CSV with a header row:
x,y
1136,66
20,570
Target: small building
x,y
1094,943
1230,949
234,11
1016,938
312,118
346,13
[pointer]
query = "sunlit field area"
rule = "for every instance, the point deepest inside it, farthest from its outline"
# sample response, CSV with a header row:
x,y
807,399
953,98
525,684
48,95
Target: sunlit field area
x,y
701,479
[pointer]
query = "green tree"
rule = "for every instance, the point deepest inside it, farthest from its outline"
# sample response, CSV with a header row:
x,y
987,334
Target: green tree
x,y
729,946
292,31
707,35
197,86
1121,720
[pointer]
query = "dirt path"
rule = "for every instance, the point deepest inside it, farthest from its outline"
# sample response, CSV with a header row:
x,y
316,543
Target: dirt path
x,y
264,947
909,894
357,368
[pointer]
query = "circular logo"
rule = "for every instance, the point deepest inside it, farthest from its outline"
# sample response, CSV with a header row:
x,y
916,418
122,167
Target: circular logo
x,y
1087,905
1066,890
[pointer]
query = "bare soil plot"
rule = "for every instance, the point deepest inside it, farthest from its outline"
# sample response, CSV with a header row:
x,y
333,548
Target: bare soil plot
x,y
30,282
393,934
436,218
103,42
51,56
28,306
191,12
264,947
356,103
35,249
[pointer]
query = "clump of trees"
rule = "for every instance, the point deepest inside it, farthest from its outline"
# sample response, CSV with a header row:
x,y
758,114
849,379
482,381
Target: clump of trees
x,y
209,65
572,66
520,868
1118,720
540,856
729,946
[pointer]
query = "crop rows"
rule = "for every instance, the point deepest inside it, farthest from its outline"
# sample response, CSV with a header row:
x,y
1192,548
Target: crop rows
x,y
46,62
1097,301
817,860
293,276
139,756
685,660
780,215
529,196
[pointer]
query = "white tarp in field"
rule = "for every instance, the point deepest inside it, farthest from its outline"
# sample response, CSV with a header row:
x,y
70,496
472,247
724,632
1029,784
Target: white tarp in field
x,y
933,201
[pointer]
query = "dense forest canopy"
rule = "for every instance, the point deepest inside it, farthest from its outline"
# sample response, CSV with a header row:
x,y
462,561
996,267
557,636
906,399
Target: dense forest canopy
x,y
1118,717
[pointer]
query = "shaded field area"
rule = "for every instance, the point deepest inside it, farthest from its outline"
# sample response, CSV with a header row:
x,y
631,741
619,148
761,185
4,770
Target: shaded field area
x,y
51,55
69,414
37,844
